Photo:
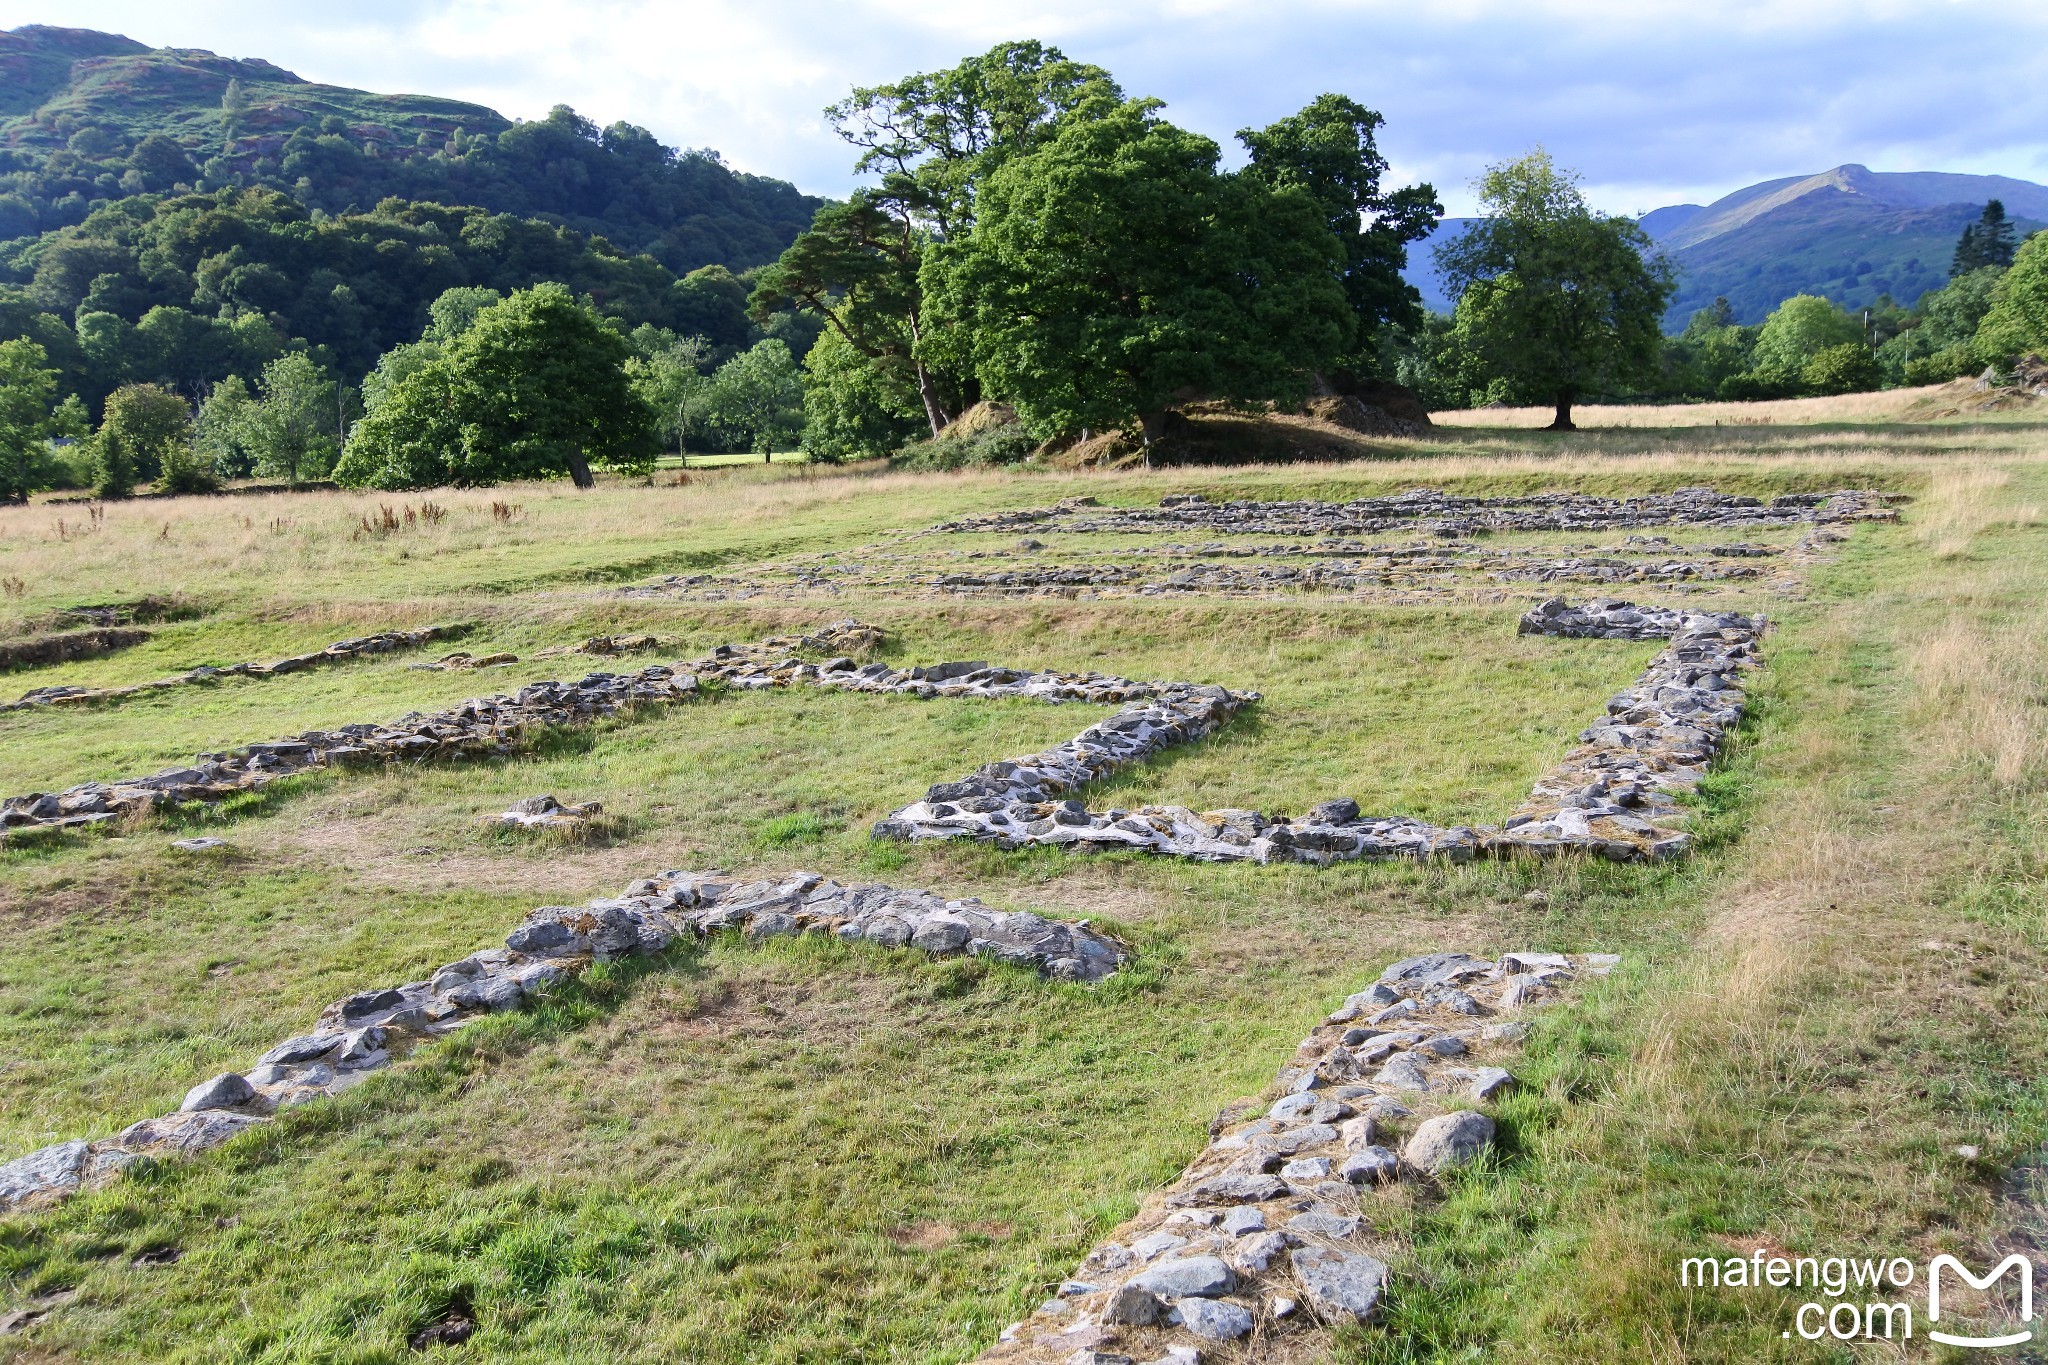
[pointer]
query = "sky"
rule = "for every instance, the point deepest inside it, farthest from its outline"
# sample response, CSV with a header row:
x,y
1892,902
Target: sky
x,y
1652,102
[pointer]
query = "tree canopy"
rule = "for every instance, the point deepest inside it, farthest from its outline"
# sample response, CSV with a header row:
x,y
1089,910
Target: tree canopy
x,y
1554,300
29,418
1988,241
1114,272
536,387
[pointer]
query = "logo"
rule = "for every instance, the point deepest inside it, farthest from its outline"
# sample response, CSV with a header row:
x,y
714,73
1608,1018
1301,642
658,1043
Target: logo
x,y
2013,1262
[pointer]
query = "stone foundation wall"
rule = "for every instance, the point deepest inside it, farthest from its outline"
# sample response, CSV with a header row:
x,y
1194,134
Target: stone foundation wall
x,y
366,1031
1615,796
1436,512
1273,1229
341,651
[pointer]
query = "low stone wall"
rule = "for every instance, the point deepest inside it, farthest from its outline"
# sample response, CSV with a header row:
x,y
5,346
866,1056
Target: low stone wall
x,y
366,1031
1272,1231
1434,511
1615,796
341,651
65,646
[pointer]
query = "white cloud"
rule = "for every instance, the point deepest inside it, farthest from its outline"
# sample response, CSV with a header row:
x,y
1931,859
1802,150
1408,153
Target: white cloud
x,y
1655,101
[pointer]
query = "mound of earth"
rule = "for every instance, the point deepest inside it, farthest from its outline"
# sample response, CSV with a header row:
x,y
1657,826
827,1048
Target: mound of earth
x,y
2021,391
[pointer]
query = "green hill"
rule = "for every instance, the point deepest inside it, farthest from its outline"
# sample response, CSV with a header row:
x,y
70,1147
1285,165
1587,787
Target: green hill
x,y
88,118
1850,234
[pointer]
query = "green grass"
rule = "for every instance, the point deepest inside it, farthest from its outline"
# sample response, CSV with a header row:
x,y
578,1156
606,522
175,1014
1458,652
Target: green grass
x,y
809,1151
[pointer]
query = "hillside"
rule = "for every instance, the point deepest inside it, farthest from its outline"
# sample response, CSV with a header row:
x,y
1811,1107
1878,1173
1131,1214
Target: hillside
x,y
88,118
1850,234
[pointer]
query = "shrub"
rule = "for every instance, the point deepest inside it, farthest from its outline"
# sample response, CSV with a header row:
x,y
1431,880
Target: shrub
x,y
1009,444
1846,368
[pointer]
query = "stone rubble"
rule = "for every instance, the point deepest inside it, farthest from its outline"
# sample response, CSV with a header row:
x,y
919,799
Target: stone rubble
x,y
1277,1213
1437,512
341,651
545,812
1615,796
367,1031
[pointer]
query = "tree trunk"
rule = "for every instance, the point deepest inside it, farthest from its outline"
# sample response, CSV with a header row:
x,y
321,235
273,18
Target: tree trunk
x,y
1151,429
579,470
934,411
1563,420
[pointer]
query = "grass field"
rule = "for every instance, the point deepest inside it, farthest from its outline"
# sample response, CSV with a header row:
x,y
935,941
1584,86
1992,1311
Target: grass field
x,y
803,1151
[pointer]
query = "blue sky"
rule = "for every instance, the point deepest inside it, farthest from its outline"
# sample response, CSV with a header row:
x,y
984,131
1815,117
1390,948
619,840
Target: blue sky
x,y
1653,102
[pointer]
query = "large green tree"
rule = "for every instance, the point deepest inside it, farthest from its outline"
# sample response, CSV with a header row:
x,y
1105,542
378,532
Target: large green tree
x,y
144,429
1113,273
30,417
1554,300
930,140
290,432
1799,329
756,400
536,387
1988,241
1329,150
2017,322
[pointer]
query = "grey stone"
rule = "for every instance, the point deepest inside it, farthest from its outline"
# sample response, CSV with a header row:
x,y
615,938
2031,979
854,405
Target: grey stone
x,y
938,935
1133,1306
1320,1222
1448,1140
55,1169
309,1048
1157,1244
186,1131
1189,1276
1295,1140
1240,1221
1370,1165
1254,1254
1445,1045
1490,1082
1340,1286
546,939
359,1009
1304,1169
1214,1319
1403,1072
224,1091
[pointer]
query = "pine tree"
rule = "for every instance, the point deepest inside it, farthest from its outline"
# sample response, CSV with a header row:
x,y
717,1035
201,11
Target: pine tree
x,y
1988,241
1995,235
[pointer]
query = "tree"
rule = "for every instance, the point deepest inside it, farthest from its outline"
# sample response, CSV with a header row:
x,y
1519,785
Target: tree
x,y
2017,321
537,386
234,104
932,139
1554,300
30,418
1799,329
142,431
287,431
668,374
1329,151
756,400
1988,241
456,311
222,428
1114,273
1847,368
854,410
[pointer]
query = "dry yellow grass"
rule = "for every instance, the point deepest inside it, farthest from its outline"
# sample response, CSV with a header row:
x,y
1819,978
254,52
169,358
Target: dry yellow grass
x,y
1887,406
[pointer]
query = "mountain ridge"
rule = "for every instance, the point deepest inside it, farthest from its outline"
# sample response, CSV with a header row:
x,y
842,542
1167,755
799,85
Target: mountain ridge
x,y
86,118
1848,233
